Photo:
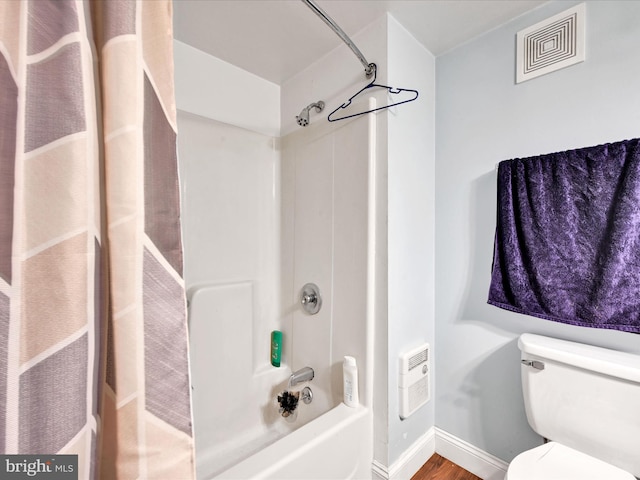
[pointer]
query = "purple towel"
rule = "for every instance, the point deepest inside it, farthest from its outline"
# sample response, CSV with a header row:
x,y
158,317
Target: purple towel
x,y
567,244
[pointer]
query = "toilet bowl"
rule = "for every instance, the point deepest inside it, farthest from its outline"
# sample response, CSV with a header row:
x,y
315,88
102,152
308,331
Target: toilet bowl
x,y
554,461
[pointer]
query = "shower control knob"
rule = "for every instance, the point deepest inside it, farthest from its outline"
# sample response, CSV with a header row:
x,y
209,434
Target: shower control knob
x,y
310,298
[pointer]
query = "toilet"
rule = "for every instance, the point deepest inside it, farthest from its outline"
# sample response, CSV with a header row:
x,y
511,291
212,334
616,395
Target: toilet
x,y
584,400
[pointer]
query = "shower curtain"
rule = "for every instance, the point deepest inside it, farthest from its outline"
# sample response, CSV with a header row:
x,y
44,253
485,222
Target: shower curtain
x,y
93,339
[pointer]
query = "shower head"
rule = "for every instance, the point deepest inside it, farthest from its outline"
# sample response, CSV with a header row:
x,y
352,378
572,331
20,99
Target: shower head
x,y
303,118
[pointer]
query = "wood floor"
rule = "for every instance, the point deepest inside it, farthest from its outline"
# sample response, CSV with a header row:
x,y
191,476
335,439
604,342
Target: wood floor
x,y
439,468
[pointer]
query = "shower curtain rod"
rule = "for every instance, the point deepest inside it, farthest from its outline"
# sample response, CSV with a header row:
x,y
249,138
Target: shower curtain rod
x,y
369,68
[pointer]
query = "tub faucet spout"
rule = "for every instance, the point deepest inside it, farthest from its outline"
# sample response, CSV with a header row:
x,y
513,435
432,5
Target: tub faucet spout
x,y
303,375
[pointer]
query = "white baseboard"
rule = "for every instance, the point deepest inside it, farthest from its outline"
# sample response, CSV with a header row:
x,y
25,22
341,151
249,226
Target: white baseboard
x,y
469,457
409,462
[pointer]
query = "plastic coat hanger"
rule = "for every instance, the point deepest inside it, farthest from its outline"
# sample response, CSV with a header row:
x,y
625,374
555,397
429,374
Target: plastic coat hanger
x,y
390,90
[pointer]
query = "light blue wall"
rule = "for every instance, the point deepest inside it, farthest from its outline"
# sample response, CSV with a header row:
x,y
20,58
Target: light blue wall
x,y
411,217
483,117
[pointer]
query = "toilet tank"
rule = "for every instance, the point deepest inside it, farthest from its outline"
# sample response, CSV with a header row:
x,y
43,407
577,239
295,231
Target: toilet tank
x,y
585,397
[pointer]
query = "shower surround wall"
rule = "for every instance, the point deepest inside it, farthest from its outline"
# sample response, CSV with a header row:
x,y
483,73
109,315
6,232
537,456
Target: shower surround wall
x,y
230,229
324,241
262,216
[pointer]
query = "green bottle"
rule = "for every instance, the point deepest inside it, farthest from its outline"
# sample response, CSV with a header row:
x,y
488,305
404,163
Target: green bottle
x,y
276,347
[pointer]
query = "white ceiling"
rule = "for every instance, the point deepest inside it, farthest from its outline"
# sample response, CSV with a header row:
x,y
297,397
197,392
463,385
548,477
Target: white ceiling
x,y
275,39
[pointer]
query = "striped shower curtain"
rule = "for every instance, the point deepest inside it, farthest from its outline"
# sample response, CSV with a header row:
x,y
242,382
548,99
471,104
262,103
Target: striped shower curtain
x,y
93,340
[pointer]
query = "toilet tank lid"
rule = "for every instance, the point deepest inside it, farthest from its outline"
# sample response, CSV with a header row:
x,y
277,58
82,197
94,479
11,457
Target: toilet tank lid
x,y
598,359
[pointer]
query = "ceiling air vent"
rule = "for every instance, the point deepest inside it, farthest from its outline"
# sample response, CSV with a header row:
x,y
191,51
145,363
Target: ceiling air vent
x,y
552,44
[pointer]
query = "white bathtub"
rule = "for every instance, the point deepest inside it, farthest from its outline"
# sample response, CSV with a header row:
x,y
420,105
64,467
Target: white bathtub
x,y
329,447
